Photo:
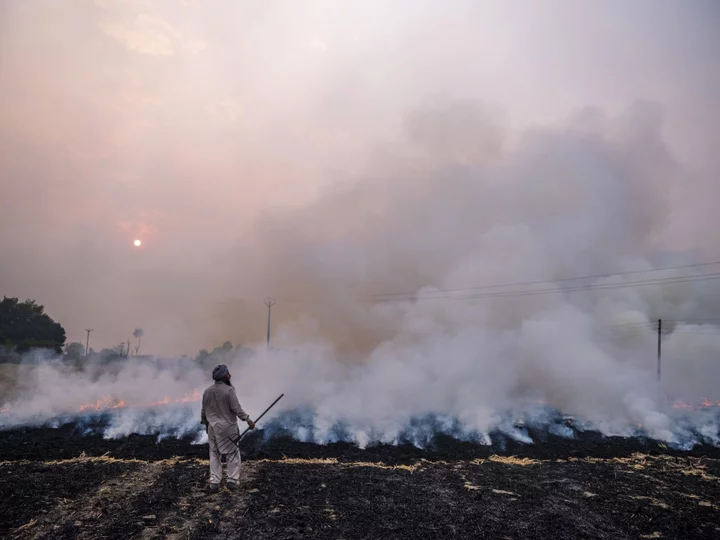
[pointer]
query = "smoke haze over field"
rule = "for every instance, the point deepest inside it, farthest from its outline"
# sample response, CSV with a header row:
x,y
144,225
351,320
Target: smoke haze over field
x,y
232,137
324,152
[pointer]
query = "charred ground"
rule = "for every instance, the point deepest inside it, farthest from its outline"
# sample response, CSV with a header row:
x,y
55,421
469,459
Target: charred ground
x,y
61,483
70,439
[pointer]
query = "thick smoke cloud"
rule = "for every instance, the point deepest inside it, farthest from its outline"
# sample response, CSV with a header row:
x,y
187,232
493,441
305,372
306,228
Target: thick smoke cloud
x,y
324,156
183,124
573,201
563,202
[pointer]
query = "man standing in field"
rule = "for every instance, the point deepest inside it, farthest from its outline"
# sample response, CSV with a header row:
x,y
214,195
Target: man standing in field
x,y
219,414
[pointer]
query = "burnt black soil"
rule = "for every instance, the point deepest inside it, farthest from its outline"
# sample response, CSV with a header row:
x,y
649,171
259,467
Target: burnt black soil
x,y
59,483
637,497
30,488
576,499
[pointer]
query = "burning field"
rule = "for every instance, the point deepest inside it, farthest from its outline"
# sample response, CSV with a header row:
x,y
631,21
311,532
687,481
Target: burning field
x,y
123,465
69,480
112,462
474,247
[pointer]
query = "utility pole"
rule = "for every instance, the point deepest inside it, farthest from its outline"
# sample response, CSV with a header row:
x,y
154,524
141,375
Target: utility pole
x,y
269,302
659,351
87,342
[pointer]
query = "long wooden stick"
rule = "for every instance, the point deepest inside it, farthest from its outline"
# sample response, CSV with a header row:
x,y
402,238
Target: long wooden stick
x,y
237,441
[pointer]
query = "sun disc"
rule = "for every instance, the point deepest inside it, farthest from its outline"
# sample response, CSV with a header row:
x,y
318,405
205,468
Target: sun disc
x,y
137,243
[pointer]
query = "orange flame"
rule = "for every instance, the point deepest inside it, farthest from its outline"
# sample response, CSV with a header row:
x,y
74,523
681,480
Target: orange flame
x,y
682,405
703,404
103,403
195,396
163,401
709,403
107,402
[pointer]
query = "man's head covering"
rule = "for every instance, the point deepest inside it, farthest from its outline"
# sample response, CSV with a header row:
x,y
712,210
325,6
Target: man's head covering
x,y
220,372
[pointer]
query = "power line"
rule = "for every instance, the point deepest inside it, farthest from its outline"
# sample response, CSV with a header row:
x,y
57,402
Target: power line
x,y
694,321
630,327
696,333
579,288
628,333
595,286
647,323
637,325
640,330
560,280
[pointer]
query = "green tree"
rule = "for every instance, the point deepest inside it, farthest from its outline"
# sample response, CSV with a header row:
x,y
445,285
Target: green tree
x,y
25,326
224,354
227,347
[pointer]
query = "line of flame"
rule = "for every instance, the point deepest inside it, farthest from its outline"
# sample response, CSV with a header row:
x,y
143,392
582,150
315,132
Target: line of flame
x,y
108,402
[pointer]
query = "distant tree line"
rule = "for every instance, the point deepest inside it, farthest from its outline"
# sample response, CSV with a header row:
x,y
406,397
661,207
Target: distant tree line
x,y
224,354
25,326
75,352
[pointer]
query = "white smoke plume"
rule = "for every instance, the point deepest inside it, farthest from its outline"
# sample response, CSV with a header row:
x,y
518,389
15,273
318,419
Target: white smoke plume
x,y
456,205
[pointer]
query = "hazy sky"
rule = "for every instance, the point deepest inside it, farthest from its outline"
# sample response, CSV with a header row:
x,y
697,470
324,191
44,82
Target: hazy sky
x,y
194,125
